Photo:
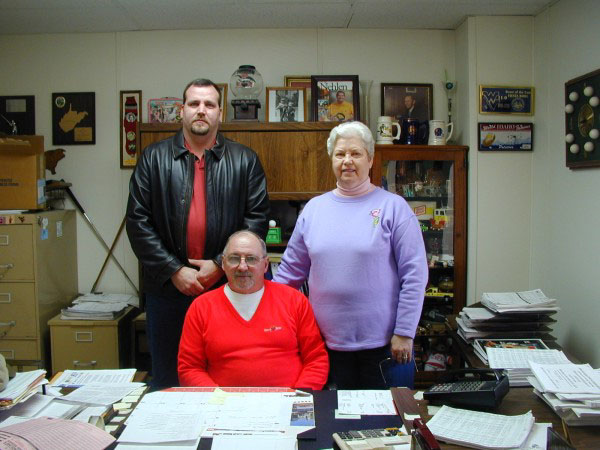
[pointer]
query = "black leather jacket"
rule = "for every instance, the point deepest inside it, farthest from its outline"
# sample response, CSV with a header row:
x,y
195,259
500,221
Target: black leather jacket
x,y
160,193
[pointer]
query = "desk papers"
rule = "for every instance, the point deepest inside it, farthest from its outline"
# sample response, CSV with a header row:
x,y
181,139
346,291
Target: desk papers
x,y
367,402
54,434
525,301
77,378
517,361
22,386
98,394
480,429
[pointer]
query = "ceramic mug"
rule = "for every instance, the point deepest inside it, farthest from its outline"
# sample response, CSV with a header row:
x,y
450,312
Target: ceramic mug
x,y
440,132
385,126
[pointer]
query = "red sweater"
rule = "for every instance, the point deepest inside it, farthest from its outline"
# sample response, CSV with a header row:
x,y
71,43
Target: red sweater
x,y
280,346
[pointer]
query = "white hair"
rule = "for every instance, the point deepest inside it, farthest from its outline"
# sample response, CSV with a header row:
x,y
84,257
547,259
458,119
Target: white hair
x,y
348,130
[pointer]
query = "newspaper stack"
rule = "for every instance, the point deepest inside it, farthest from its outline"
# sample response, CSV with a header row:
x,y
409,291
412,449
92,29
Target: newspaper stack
x,y
98,307
517,361
524,301
571,390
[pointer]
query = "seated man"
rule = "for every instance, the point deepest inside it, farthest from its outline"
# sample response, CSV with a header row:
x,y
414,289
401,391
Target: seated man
x,y
251,332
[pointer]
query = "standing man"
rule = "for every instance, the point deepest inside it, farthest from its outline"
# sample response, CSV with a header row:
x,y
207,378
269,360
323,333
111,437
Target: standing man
x,y
187,194
412,108
341,110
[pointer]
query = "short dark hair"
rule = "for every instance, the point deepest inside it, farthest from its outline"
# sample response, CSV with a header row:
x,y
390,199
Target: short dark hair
x,y
202,82
340,91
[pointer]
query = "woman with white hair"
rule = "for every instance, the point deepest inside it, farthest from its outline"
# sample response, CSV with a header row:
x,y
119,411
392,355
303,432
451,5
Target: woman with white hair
x,y
362,251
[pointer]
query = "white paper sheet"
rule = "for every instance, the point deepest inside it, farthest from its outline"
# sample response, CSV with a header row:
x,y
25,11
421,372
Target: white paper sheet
x,y
366,402
98,394
78,378
224,442
519,358
567,378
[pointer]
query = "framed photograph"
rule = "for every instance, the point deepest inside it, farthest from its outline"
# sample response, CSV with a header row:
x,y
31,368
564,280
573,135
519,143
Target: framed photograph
x,y
505,136
407,100
285,104
223,105
506,100
304,82
335,98
74,118
164,110
130,117
17,114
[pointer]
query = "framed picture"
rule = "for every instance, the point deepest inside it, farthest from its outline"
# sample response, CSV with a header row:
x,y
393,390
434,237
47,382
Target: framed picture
x,y
130,116
286,104
304,82
223,105
74,118
404,100
17,114
506,100
505,136
335,98
164,110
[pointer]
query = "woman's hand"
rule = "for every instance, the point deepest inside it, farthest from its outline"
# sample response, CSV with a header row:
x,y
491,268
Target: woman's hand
x,y
401,348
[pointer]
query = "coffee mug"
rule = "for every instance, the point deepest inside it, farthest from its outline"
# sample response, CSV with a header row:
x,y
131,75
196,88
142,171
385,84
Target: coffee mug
x,y
385,135
440,132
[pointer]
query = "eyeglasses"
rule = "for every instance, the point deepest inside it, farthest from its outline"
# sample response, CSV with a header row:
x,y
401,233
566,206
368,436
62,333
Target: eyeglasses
x,y
236,260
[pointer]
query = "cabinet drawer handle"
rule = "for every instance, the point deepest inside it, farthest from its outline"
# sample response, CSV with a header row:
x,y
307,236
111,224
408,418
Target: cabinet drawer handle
x,y
84,336
12,323
4,239
5,268
8,354
6,295
84,364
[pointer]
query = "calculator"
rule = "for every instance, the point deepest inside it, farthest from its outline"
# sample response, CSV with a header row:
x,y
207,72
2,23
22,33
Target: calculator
x,y
471,388
370,439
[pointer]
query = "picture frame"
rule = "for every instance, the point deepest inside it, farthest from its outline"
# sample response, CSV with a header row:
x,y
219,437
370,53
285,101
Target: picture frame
x,y
17,114
301,81
165,110
519,100
130,117
500,136
407,100
286,104
223,90
335,98
73,118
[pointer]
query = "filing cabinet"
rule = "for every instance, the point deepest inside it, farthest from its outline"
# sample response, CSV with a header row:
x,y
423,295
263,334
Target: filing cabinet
x,y
38,277
91,344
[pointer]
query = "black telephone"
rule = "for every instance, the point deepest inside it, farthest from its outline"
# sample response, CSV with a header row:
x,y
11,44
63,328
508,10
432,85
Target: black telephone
x,y
470,388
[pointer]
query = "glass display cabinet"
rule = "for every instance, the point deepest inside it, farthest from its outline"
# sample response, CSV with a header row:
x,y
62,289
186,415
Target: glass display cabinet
x,y
433,180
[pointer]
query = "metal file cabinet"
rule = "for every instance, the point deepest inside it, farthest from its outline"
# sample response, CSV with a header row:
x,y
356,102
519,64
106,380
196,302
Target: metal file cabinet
x,y
38,277
91,344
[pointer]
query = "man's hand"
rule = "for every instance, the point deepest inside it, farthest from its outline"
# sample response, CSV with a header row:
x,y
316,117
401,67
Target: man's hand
x,y
208,272
401,347
186,281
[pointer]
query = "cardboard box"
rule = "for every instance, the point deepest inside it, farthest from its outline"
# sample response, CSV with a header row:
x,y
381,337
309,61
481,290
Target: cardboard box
x,y
22,172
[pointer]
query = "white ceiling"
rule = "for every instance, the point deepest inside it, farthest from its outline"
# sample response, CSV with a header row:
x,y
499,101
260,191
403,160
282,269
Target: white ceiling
x,y
73,16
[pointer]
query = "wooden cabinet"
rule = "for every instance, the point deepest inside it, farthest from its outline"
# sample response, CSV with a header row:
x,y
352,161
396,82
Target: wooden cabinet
x,y
293,155
433,180
38,277
91,344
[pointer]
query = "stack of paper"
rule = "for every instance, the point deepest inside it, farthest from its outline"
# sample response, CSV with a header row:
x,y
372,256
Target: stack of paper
x,y
108,298
480,429
525,301
93,311
571,390
517,361
480,345
21,387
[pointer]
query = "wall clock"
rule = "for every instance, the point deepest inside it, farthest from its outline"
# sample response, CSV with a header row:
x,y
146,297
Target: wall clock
x,y
582,121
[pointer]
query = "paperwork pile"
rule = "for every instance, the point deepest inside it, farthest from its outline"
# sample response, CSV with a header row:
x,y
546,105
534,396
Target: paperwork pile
x,y
517,361
571,390
484,430
21,387
98,307
480,346
524,301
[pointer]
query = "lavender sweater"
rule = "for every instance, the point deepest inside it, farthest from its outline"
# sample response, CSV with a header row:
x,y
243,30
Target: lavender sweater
x,y
365,262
